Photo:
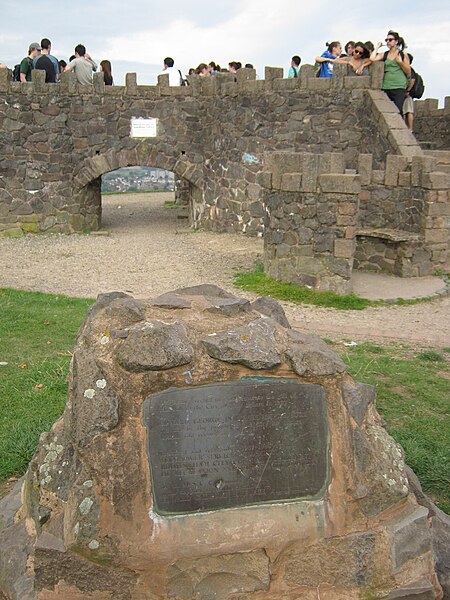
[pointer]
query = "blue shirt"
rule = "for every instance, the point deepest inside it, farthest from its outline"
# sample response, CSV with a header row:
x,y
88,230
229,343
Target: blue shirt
x,y
326,69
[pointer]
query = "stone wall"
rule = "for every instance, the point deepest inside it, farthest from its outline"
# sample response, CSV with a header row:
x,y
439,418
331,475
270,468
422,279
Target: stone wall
x,y
217,136
432,124
58,140
312,213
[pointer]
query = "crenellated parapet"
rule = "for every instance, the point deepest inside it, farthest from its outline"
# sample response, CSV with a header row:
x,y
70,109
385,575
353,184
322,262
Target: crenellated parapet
x,y
432,124
222,84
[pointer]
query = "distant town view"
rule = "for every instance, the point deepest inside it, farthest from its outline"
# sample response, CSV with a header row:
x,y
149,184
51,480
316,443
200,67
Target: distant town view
x,y
138,179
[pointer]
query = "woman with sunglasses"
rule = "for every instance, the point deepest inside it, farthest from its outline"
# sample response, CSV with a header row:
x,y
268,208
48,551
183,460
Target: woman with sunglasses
x,y
397,69
359,61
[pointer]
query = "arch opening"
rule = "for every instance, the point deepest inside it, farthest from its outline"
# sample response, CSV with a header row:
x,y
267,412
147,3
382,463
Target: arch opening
x,y
183,179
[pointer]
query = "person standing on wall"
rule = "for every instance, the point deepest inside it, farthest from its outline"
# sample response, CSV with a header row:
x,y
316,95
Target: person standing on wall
x,y
295,67
327,58
26,65
105,67
49,64
82,65
175,75
397,69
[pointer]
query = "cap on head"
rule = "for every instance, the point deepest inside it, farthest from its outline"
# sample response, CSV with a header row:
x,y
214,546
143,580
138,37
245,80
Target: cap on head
x,y
35,46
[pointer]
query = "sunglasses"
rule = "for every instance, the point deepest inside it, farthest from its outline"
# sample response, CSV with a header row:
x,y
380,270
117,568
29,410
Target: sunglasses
x,y
358,52
389,40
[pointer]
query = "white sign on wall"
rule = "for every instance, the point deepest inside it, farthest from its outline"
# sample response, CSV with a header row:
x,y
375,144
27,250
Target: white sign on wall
x,y
142,128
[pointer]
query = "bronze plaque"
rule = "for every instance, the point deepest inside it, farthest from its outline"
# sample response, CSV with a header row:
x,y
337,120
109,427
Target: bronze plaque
x,y
236,443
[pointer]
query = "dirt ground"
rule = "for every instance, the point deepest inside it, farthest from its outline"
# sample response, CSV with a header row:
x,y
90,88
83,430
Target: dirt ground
x,y
149,250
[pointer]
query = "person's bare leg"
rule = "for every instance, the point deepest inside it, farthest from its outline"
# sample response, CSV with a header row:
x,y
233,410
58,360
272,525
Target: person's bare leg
x,y
409,118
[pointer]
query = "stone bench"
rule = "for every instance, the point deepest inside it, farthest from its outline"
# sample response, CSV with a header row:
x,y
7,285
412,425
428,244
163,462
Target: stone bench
x,y
393,251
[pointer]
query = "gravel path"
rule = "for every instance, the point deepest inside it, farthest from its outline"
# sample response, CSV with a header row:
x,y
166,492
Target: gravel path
x,y
149,250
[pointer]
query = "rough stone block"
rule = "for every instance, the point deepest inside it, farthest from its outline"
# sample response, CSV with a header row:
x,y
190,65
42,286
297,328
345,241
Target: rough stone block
x,y
436,236
306,73
380,102
98,81
252,345
131,87
322,564
343,184
394,164
309,355
271,308
344,248
5,79
331,162
404,179
419,590
365,162
436,181
154,346
410,537
163,80
376,75
270,74
357,83
410,151
403,137
318,84
358,397
219,576
338,77
310,171
291,182
378,177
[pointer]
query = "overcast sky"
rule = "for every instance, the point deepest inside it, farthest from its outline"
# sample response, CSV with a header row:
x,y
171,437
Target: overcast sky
x,y
136,35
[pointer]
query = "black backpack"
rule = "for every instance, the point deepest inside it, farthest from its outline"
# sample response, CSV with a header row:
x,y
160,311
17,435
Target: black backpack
x,y
16,70
16,73
418,88
182,80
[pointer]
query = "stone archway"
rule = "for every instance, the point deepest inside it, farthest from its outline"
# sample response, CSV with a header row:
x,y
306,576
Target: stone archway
x,y
87,180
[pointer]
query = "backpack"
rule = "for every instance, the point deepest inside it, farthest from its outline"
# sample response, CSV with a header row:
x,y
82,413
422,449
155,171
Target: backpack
x,y
16,70
418,88
182,81
16,73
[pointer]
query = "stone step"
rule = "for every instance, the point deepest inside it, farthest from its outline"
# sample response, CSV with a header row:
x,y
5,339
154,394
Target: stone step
x,y
443,168
442,156
427,145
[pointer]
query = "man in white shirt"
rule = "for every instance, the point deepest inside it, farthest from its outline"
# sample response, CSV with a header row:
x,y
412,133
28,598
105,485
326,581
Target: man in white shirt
x,y
169,69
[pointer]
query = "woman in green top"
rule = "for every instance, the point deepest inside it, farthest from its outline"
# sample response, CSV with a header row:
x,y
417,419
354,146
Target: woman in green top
x,y
396,68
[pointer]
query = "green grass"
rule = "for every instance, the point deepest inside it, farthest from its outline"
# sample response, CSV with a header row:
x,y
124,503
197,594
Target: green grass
x,y
413,396
37,333
256,281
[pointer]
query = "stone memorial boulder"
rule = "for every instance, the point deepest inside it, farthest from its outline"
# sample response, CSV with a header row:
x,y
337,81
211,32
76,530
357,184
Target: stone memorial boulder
x,y
208,451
